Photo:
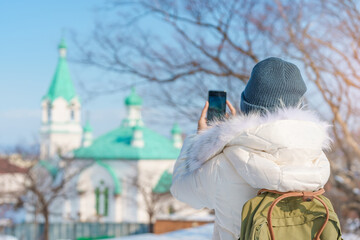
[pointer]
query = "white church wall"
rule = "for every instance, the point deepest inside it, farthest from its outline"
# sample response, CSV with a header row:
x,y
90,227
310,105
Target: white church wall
x,y
54,142
64,142
134,115
61,111
154,168
61,128
150,172
87,139
126,206
129,206
89,179
119,208
45,111
57,209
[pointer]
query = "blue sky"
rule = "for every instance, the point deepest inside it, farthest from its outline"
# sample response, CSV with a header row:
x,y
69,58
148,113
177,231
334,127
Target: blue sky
x,y
30,33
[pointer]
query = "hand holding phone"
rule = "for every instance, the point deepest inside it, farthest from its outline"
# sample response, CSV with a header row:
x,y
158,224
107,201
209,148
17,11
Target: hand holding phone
x,y
202,123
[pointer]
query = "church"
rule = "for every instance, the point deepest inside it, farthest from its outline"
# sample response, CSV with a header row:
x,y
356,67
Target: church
x,y
125,168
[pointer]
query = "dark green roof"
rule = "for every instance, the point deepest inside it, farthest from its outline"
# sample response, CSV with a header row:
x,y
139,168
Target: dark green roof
x,y
176,129
87,127
116,144
61,84
133,99
164,183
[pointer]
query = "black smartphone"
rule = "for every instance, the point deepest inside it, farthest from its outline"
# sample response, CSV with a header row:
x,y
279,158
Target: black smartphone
x,y
217,105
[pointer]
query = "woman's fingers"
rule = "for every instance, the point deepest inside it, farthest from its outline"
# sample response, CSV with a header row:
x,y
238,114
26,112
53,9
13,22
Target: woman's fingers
x,y
204,111
232,109
202,124
202,121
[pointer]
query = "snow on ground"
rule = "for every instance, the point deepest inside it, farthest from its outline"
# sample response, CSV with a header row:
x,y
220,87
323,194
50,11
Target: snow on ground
x,y
351,236
199,233
7,237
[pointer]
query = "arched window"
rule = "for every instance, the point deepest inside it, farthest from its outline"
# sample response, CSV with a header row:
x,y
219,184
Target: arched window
x,y
49,112
72,115
72,111
102,199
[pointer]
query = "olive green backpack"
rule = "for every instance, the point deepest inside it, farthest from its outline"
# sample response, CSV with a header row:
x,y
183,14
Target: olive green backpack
x,y
293,215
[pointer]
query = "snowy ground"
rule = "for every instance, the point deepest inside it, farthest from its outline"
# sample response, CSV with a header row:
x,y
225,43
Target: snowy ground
x,y
199,233
351,237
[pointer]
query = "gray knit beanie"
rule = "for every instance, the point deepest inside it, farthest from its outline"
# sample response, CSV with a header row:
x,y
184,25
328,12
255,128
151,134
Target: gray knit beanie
x,y
273,83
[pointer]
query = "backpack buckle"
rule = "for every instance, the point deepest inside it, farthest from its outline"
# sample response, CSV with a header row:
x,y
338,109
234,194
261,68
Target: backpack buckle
x,y
307,197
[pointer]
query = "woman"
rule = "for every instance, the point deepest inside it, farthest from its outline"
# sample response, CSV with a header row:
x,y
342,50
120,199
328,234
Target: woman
x,y
274,144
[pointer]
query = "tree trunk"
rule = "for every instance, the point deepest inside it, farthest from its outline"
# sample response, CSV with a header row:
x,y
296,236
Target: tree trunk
x,y
46,224
36,225
151,224
151,227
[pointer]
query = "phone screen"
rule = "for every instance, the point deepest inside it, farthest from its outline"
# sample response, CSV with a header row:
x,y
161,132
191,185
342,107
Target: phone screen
x,y
217,105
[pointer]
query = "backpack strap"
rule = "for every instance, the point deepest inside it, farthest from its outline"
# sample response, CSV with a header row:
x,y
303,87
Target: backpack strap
x,y
307,196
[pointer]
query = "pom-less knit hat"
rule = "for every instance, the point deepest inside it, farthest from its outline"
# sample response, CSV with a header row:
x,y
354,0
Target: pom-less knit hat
x,y
273,83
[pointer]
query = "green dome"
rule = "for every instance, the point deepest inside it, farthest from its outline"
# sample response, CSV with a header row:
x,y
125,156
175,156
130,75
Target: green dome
x,y
133,99
61,84
138,127
116,144
176,129
164,183
87,127
62,44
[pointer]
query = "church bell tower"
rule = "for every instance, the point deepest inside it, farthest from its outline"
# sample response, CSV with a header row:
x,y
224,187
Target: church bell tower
x,y
61,129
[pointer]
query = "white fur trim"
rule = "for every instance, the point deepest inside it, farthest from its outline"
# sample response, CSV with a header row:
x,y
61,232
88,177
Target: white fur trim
x,y
212,140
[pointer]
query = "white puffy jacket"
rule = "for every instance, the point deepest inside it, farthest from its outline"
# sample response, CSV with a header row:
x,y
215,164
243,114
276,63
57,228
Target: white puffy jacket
x,y
223,166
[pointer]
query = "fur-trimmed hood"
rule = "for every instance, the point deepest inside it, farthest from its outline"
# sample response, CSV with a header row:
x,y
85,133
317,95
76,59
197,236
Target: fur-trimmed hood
x,y
282,150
